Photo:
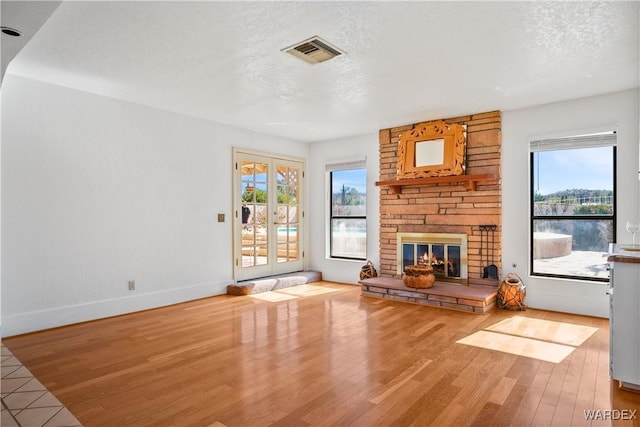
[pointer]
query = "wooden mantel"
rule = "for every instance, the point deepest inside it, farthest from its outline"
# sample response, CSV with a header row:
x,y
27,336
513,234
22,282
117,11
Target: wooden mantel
x,y
469,181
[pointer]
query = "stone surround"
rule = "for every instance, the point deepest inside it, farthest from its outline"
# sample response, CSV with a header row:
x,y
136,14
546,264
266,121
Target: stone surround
x,y
471,299
445,207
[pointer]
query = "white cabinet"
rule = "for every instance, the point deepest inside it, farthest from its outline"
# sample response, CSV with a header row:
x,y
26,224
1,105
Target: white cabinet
x,y
624,320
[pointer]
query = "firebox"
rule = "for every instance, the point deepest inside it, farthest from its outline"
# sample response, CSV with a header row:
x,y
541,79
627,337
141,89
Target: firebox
x,y
445,252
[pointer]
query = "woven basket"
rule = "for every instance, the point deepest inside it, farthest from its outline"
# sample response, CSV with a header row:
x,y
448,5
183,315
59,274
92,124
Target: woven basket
x,y
368,271
418,276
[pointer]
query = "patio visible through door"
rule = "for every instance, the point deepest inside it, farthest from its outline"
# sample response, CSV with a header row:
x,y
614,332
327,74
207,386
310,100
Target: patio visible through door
x,y
269,218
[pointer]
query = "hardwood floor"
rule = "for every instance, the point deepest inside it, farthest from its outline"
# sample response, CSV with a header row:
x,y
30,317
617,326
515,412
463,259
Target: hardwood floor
x,y
328,359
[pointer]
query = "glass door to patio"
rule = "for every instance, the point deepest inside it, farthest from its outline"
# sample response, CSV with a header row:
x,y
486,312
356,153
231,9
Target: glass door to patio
x,y
268,220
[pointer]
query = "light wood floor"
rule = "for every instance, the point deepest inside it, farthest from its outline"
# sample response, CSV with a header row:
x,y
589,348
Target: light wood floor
x,y
328,359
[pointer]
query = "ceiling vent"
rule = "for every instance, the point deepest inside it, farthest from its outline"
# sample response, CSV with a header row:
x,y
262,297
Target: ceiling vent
x,y
10,31
313,50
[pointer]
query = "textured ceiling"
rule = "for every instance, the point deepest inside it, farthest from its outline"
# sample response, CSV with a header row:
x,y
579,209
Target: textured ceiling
x,y
405,61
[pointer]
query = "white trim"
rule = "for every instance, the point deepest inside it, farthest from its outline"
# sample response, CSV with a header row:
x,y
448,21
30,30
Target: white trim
x,y
327,215
60,316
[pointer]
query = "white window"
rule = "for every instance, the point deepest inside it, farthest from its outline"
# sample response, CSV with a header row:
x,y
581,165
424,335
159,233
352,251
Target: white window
x,y
573,216
347,232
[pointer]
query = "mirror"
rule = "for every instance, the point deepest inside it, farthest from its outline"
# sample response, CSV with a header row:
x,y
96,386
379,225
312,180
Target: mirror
x,y
432,149
429,153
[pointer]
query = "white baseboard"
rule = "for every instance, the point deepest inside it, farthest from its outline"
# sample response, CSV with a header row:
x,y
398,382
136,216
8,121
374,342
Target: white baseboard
x,y
51,318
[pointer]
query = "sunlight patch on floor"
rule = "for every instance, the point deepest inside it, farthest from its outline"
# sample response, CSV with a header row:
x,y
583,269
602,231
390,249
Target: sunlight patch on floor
x,y
307,290
292,293
545,330
272,296
536,338
541,350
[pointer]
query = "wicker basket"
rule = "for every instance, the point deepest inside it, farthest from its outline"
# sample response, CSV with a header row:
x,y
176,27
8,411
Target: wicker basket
x,y
418,276
368,271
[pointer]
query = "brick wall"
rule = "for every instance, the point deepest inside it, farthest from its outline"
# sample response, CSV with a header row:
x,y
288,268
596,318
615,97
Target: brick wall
x,y
445,208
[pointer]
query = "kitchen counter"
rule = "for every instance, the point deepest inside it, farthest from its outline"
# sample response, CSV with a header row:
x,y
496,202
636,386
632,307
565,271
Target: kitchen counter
x,y
624,253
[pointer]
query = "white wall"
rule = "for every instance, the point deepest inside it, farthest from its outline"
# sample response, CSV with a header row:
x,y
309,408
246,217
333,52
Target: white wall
x,y
97,192
0,215
562,119
322,153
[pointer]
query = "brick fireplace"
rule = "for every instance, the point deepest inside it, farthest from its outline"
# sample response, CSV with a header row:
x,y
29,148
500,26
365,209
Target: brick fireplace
x,y
442,221
445,207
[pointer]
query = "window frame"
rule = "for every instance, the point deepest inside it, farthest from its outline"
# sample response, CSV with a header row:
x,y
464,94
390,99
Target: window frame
x,y
568,144
330,169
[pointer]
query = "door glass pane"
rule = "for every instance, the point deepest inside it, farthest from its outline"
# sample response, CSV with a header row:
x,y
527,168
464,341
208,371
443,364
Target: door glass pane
x,y
422,255
282,214
254,196
407,255
453,261
287,213
438,261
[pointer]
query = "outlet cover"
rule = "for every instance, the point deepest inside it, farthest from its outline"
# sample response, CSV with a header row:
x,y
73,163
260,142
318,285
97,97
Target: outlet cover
x,y
132,285
220,217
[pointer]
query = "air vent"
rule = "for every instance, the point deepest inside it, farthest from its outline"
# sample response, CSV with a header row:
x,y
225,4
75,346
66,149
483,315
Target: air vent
x,y
313,50
10,31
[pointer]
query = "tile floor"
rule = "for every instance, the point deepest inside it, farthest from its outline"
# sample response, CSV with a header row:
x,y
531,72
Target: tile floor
x,y
25,401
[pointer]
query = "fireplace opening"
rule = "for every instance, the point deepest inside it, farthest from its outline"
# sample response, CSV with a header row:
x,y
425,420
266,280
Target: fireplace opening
x,y
445,253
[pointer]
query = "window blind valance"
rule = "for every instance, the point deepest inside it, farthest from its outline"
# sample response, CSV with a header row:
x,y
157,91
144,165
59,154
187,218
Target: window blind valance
x,y
606,139
346,165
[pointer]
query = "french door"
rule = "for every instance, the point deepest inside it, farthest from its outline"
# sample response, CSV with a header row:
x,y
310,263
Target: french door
x,y
268,220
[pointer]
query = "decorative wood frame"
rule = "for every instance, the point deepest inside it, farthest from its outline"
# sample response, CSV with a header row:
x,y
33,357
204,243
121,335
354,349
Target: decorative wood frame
x,y
452,139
